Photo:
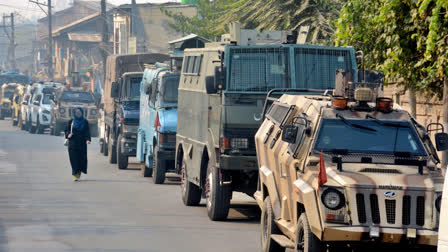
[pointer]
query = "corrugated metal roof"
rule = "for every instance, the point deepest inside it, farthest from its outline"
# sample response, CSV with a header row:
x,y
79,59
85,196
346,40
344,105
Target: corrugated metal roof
x,y
58,31
191,36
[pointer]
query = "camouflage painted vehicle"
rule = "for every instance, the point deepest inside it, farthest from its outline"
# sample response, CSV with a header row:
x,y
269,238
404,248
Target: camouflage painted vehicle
x,y
333,172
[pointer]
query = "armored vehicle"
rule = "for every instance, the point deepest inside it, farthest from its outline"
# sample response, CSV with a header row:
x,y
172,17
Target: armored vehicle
x,y
67,98
16,104
6,98
121,99
443,226
351,169
221,95
156,140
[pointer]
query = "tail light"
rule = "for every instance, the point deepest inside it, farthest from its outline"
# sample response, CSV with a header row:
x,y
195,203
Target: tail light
x,y
121,119
161,139
225,143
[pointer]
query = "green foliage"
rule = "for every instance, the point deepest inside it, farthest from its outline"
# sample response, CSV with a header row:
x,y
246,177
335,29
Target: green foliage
x,y
405,39
213,17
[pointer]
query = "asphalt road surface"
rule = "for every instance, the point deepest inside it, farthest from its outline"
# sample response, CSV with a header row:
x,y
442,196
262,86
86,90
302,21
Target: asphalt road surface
x,y
42,209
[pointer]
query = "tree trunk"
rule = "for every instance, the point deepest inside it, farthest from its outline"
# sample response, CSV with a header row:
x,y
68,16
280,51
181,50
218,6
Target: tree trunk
x,y
445,119
413,102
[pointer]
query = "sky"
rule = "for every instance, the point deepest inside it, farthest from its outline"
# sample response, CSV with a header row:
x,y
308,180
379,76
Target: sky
x,y
26,11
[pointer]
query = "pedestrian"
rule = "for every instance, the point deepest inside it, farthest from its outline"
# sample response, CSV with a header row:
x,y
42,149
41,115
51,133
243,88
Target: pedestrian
x,y
78,134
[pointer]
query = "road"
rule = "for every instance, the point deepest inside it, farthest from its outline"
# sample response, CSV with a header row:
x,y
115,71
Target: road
x,y
42,209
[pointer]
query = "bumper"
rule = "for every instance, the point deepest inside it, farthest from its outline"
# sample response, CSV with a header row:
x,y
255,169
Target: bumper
x,y
128,146
248,163
386,235
5,111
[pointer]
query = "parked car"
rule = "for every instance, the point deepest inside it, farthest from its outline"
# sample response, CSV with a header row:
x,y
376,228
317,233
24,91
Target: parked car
x,y
344,172
121,99
156,140
16,105
40,106
65,100
25,108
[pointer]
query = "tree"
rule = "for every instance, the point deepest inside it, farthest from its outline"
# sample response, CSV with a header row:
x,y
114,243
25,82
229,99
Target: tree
x,y
407,40
213,17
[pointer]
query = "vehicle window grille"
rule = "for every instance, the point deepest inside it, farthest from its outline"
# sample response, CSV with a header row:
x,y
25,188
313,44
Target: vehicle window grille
x,y
317,67
420,218
279,112
379,170
259,69
374,208
361,206
406,210
390,211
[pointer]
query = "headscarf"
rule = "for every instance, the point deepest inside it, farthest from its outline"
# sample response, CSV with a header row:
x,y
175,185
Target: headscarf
x,y
78,122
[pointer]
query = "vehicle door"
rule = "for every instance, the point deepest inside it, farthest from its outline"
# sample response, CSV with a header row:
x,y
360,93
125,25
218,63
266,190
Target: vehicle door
x,y
35,107
152,106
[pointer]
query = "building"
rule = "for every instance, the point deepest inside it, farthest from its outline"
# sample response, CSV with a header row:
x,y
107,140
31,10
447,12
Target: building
x,y
145,27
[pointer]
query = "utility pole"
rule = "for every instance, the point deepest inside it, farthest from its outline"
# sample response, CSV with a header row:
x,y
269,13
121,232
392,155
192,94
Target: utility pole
x,y
50,34
104,36
12,43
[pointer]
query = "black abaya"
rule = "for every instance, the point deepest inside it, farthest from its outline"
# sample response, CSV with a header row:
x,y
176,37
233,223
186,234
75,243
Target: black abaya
x,y
77,147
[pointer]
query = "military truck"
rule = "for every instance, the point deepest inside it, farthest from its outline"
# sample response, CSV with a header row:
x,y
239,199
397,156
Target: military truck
x,y
121,104
156,141
65,100
221,96
346,169
6,98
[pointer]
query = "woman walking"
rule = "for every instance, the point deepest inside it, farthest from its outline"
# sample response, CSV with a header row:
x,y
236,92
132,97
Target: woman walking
x,y
78,134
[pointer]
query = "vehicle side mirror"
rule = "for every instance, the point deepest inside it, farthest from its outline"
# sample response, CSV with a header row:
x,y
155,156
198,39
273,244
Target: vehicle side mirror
x,y
148,88
441,141
24,103
37,103
290,134
210,85
114,90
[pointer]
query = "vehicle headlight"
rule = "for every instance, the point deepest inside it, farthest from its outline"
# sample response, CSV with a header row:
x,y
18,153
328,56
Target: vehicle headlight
x,y
46,112
93,112
62,110
333,199
438,203
239,143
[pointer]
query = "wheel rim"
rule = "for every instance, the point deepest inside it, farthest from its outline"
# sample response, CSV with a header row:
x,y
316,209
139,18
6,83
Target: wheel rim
x,y
264,235
209,190
183,178
301,241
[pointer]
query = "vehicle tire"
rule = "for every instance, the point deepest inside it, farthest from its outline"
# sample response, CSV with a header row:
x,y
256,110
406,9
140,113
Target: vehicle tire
x,y
122,160
32,129
112,150
105,148
191,193
217,196
146,171
2,117
268,227
306,241
56,129
101,147
39,128
158,167
21,124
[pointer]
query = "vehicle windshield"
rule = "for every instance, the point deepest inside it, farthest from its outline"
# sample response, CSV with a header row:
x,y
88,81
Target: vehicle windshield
x,y
46,99
23,79
71,96
370,137
169,92
8,94
131,91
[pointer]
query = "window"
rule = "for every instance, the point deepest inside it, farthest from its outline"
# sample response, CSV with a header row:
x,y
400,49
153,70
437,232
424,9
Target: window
x,y
384,137
192,65
82,97
279,112
169,91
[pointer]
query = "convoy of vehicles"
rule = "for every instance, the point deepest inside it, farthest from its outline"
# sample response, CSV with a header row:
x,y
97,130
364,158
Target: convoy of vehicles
x,y
335,169
329,166
156,141
6,97
121,104
221,95
65,99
